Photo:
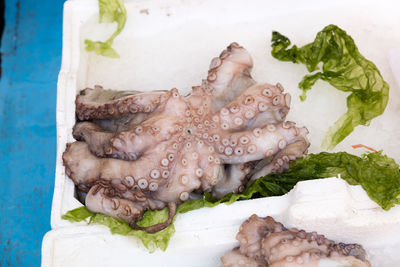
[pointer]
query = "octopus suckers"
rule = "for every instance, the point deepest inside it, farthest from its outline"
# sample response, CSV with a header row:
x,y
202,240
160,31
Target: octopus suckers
x,y
164,162
184,179
225,142
262,106
267,92
215,63
155,174
251,149
215,118
244,140
165,174
184,162
115,203
282,144
212,76
129,181
289,258
228,151
184,196
271,128
257,132
195,155
277,100
225,126
142,183
249,114
288,99
224,111
248,100
269,153
234,109
210,149
210,158
139,129
199,172
216,137
171,157
238,121
238,151
153,186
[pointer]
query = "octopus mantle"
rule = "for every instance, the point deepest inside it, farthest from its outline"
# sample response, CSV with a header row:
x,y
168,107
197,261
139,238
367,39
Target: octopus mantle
x,y
145,150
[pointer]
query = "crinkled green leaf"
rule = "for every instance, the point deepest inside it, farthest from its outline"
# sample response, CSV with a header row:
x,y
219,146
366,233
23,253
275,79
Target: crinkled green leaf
x,y
344,68
150,241
378,174
101,48
109,11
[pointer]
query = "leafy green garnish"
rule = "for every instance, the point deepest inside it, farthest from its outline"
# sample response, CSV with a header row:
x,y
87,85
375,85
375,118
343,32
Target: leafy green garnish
x,y
344,68
109,11
150,241
378,174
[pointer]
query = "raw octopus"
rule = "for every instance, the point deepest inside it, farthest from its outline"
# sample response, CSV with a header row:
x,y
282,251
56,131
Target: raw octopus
x,y
148,150
265,242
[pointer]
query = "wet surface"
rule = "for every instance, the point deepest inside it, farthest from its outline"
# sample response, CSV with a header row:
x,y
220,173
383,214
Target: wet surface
x,y
30,62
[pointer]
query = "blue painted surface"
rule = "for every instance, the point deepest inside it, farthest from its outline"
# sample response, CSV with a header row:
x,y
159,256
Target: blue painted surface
x,y
31,48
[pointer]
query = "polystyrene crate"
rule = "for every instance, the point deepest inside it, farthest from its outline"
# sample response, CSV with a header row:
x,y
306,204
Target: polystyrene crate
x,y
168,44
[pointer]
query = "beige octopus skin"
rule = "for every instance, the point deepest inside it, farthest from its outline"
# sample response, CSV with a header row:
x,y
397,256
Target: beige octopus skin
x,y
265,242
139,151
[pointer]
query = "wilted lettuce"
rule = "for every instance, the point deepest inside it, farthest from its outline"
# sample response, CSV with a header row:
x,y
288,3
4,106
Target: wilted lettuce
x,y
109,11
378,174
344,68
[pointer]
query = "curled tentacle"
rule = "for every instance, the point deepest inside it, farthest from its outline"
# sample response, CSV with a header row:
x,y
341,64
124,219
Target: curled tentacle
x,y
281,160
98,103
101,199
232,181
158,227
96,138
229,75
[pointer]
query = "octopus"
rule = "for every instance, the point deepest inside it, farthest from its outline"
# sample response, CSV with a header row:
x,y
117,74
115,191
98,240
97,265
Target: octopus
x,y
136,151
265,242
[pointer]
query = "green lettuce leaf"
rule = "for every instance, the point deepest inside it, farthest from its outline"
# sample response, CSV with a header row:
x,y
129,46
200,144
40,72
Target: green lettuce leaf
x,y
344,68
109,11
378,174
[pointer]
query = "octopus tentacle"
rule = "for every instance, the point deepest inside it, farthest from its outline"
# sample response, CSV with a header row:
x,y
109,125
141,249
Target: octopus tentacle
x,y
280,161
84,168
229,75
96,138
233,180
98,103
157,227
101,199
258,105
258,143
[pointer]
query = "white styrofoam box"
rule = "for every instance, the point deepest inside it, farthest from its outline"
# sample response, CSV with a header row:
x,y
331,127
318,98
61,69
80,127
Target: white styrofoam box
x,y
329,206
170,43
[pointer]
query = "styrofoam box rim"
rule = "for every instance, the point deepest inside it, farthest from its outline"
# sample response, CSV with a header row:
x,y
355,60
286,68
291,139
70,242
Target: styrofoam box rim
x,y
304,207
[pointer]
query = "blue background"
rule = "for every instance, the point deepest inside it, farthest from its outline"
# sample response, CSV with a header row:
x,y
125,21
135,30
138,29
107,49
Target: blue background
x,y
31,60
